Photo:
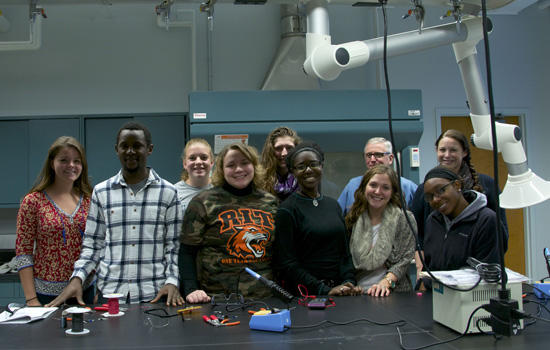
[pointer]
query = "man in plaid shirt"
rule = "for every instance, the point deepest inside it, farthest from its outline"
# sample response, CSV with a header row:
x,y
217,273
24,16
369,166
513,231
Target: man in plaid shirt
x,y
132,231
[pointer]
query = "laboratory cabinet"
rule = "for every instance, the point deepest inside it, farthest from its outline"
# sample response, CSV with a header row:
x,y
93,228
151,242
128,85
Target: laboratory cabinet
x,y
168,138
24,144
340,121
23,149
11,290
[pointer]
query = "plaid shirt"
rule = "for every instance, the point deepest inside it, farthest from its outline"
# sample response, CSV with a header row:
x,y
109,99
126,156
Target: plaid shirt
x,y
132,238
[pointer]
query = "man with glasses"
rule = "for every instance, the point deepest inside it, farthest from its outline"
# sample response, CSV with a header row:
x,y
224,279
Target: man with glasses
x,y
378,150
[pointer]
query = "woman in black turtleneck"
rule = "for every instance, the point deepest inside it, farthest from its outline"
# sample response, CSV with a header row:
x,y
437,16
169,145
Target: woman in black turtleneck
x,y
312,248
228,227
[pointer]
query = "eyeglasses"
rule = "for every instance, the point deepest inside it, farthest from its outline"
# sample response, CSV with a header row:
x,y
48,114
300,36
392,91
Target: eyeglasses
x,y
312,165
158,318
438,193
376,155
222,299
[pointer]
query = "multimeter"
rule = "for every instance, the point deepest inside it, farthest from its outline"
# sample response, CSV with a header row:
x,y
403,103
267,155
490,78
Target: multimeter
x,y
319,303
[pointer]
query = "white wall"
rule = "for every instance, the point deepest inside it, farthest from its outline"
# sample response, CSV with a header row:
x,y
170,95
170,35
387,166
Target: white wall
x,y
99,59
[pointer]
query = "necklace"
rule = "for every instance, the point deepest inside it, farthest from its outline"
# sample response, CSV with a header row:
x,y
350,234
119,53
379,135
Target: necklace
x,y
315,203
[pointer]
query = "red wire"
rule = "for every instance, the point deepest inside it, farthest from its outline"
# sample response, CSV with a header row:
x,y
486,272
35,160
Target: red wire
x,y
306,296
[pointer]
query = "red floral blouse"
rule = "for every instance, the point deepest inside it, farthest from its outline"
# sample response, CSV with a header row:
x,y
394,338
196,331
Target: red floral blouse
x,y
41,222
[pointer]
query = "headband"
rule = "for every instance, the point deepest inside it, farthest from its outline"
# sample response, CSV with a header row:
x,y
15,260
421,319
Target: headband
x,y
441,172
302,150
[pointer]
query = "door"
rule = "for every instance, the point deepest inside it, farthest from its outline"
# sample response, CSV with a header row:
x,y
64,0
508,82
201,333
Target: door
x,y
483,163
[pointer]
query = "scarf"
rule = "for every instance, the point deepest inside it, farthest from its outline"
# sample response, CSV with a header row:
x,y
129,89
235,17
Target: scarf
x,y
368,257
285,187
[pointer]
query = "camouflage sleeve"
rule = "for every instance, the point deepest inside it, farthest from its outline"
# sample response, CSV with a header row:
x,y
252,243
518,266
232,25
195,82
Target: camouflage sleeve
x,y
193,227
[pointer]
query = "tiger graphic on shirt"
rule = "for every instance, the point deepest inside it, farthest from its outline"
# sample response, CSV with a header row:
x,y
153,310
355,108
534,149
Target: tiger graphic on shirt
x,y
251,232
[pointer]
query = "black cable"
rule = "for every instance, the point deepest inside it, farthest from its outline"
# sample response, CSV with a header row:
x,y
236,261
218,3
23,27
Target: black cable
x,y
402,322
247,303
538,303
444,341
539,318
500,232
481,330
490,273
539,312
239,279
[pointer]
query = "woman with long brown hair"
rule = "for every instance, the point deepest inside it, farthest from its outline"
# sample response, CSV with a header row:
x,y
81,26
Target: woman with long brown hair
x,y
51,223
382,242
278,179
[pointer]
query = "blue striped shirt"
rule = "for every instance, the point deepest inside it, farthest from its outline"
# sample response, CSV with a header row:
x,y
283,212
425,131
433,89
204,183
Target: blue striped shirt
x,y
132,239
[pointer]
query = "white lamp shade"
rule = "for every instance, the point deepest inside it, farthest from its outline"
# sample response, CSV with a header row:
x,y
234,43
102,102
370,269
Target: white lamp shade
x,y
524,190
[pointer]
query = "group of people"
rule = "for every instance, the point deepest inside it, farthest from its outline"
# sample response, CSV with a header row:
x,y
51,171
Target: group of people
x,y
140,236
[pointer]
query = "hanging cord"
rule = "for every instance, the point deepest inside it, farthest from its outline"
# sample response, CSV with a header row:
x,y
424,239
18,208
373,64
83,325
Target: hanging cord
x,y
494,139
392,140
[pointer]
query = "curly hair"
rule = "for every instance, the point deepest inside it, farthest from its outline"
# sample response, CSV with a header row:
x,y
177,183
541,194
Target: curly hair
x,y
360,203
184,174
46,177
269,158
461,138
249,152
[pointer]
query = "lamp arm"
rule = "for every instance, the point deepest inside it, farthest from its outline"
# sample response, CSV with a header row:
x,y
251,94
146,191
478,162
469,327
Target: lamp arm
x,y
327,62
508,136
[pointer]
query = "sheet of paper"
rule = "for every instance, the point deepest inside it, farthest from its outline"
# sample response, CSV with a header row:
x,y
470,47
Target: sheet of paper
x,y
468,277
26,315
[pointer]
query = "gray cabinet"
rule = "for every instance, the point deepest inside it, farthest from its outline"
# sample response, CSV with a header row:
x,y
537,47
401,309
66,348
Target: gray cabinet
x,y
24,146
100,147
14,157
167,133
11,290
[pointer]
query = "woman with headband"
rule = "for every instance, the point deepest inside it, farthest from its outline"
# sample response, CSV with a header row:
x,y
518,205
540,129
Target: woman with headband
x,y
311,244
453,151
51,223
461,225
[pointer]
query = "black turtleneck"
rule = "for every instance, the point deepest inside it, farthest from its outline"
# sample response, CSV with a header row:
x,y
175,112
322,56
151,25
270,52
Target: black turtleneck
x,y
238,192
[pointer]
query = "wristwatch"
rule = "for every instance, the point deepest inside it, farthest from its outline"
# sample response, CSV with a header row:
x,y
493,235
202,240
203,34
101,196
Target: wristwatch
x,y
390,281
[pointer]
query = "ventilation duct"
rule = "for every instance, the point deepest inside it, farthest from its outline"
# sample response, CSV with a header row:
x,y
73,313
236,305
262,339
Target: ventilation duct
x,y
286,71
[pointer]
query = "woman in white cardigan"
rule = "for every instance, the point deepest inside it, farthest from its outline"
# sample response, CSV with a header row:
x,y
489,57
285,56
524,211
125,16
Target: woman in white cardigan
x,y
382,242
